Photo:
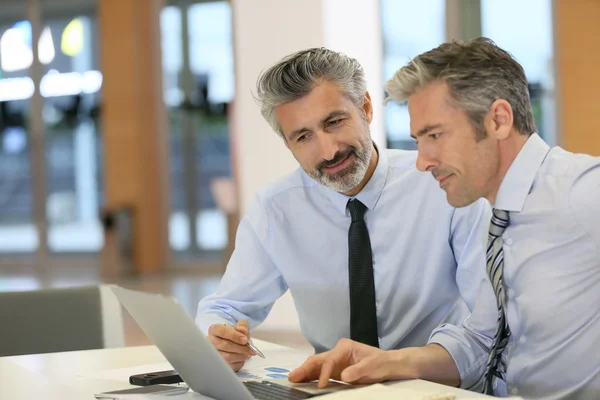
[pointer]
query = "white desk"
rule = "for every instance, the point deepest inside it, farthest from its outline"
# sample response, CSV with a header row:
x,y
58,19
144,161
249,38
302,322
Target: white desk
x,y
76,375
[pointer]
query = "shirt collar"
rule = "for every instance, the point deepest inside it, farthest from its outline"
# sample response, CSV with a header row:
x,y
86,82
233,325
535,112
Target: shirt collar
x,y
370,194
520,175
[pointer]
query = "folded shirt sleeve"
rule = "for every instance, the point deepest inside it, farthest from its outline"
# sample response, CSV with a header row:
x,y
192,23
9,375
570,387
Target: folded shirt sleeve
x,y
469,344
251,282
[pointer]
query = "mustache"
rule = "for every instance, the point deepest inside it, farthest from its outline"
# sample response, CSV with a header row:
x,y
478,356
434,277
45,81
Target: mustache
x,y
339,156
440,172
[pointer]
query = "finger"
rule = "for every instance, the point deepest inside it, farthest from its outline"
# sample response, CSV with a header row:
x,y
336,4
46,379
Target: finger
x,y
309,371
227,332
326,371
229,346
236,366
243,327
335,361
233,358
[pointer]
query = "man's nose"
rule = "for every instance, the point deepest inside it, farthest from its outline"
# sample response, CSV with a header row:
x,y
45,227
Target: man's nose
x,y
328,146
425,159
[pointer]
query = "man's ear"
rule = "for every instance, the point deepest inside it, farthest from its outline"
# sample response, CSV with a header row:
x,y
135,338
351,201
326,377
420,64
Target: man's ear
x,y
499,119
367,107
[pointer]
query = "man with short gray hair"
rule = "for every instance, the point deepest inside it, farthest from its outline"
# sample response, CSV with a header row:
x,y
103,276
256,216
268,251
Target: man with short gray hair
x,y
471,116
367,244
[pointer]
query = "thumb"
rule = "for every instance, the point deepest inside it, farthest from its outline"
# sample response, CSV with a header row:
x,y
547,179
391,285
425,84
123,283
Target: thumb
x,y
243,327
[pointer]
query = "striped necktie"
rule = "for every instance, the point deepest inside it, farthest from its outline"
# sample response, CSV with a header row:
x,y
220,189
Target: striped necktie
x,y
496,367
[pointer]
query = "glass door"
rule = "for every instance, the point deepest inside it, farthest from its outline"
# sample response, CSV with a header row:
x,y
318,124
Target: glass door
x,y
20,217
198,80
50,148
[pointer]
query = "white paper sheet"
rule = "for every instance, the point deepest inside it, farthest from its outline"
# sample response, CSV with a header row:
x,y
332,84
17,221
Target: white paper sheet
x,y
277,365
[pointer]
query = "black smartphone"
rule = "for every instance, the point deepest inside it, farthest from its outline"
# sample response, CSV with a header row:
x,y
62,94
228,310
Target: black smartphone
x,y
155,378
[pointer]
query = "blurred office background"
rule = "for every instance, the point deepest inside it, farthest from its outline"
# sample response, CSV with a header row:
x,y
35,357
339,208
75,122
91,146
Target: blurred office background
x,y
130,143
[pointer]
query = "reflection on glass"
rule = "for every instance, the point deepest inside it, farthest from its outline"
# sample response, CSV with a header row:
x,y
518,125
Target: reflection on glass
x,y
15,47
72,40
409,28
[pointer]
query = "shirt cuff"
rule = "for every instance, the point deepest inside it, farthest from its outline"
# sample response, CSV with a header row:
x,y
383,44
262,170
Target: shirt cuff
x,y
469,354
205,321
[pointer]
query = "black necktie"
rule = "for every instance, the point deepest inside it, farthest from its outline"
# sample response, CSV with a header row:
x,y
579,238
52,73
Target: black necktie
x,y
363,311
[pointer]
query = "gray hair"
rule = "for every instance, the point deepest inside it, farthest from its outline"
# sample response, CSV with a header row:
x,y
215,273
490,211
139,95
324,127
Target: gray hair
x,y
477,73
296,75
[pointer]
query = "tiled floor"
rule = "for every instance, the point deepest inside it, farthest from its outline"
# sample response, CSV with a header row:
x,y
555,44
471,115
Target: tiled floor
x,y
187,286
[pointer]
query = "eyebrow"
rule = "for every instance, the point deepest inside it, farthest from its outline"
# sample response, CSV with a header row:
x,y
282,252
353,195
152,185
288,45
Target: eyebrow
x,y
425,130
333,114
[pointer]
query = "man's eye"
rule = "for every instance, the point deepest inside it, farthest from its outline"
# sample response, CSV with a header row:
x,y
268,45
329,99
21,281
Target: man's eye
x,y
435,135
302,138
334,122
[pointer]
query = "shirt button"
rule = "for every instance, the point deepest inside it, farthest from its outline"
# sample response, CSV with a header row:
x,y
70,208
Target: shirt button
x,y
522,339
508,241
514,391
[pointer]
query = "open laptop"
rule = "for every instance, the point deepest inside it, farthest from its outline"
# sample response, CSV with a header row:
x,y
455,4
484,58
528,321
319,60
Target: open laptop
x,y
189,352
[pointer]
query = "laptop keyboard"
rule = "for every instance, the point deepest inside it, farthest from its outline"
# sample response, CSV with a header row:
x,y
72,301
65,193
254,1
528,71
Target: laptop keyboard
x,y
266,390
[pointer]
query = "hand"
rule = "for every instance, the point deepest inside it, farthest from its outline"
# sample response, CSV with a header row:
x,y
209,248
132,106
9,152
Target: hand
x,y
231,343
350,362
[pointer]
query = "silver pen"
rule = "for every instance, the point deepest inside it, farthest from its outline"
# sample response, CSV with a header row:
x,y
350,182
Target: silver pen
x,y
250,345
255,349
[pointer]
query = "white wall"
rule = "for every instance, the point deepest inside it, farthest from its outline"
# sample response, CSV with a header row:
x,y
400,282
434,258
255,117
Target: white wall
x,y
264,32
354,27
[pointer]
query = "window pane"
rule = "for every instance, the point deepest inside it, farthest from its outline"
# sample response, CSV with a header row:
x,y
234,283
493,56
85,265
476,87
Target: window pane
x,y
211,62
409,28
17,229
532,46
70,87
204,117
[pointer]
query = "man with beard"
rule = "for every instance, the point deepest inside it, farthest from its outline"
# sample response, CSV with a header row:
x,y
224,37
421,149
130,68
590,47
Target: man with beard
x,y
367,244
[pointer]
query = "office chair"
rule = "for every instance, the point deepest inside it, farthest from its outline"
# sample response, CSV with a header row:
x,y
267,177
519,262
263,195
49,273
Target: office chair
x,y
54,320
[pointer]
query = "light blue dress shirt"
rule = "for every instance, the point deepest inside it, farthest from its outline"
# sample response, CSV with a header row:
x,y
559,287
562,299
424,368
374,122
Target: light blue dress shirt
x,y
551,277
426,254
